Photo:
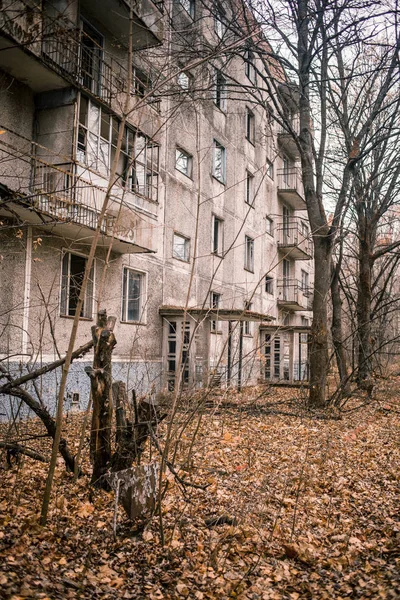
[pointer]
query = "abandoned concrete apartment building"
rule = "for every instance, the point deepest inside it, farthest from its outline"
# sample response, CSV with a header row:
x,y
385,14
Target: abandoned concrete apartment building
x,y
205,239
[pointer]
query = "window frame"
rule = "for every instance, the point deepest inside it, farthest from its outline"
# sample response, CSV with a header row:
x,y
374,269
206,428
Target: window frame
x,y
247,328
215,324
220,90
65,290
270,169
219,24
142,296
191,4
217,241
250,68
249,253
186,246
269,229
269,285
139,164
188,76
249,192
222,177
304,281
189,170
250,126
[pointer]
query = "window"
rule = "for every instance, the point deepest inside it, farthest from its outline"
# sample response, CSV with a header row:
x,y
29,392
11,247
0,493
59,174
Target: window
x,y
250,126
247,330
219,24
184,80
304,281
269,284
133,289
219,90
189,6
305,232
249,253
183,162
269,228
286,170
97,142
181,247
249,188
72,273
215,300
217,236
219,162
250,69
270,169
91,57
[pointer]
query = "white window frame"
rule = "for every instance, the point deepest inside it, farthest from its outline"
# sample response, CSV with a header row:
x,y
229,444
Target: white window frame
x,y
186,247
217,236
182,155
219,172
184,80
142,296
65,286
219,25
219,90
249,253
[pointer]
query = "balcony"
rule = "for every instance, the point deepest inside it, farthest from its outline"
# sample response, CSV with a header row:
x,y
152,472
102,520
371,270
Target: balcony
x,y
285,138
43,51
294,239
68,205
148,23
293,295
290,188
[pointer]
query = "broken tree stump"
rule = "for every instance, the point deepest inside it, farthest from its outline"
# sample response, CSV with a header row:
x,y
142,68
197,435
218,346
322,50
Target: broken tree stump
x,y
100,383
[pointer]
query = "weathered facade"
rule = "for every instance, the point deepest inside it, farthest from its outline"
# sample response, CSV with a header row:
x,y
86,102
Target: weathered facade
x,y
205,252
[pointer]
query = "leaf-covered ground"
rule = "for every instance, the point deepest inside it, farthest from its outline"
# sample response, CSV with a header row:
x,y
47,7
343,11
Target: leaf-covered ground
x,y
312,506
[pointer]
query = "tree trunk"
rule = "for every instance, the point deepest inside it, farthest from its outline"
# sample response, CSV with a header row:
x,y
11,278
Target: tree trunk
x,y
364,299
336,327
319,356
130,438
100,382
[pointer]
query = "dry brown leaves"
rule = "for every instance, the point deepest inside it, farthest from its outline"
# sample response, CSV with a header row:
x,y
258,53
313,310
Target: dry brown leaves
x,y
314,503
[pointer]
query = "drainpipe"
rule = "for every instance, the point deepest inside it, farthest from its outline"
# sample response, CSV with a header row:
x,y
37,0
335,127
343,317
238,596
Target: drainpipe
x,y
239,385
229,373
27,290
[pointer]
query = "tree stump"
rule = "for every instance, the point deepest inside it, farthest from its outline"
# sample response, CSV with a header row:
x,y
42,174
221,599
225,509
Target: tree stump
x,y
100,383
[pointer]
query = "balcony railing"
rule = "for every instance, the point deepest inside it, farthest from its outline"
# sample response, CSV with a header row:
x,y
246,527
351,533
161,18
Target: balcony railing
x,y
74,54
285,137
59,192
290,187
294,295
294,238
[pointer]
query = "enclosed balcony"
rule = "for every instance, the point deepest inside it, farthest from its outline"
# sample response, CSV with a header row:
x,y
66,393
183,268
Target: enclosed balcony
x,y
290,188
293,295
294,239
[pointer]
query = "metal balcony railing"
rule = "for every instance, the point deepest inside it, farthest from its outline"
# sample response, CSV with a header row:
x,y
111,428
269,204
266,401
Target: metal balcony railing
x,y
290,180
294,236
294,123
294,294
59,192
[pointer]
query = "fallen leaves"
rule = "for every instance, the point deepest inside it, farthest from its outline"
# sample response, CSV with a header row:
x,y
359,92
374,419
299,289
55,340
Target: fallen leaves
x,y
297,508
